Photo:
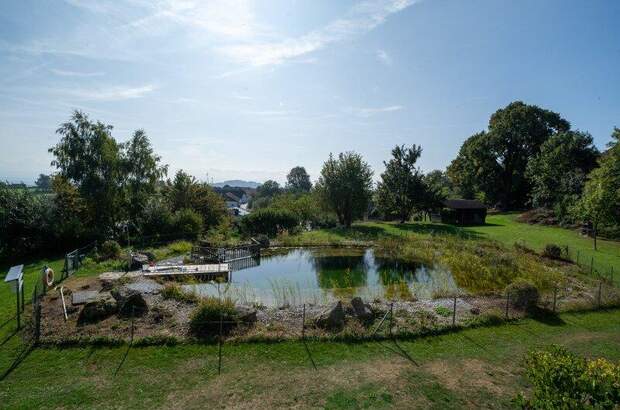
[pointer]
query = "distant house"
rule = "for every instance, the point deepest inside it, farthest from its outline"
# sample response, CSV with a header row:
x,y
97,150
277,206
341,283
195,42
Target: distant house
x,y
463,212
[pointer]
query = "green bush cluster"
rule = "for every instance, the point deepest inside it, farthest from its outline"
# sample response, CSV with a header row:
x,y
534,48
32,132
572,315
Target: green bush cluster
x,y
563,380
109,250
205,319
523,294
269,221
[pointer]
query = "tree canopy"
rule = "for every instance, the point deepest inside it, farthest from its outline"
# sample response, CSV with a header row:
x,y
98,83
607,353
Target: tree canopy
x,y
298,180
493,163
345,185
401,188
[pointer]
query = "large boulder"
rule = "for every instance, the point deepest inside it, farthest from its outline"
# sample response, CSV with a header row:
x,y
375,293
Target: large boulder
x,y
361,310
138,260
246,314
98,308
130,302
332,318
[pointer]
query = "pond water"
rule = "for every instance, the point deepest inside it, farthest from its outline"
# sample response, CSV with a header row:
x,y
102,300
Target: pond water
x,y
318,275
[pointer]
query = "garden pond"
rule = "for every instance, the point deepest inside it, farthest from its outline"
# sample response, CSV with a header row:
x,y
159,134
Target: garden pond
x,y
319,275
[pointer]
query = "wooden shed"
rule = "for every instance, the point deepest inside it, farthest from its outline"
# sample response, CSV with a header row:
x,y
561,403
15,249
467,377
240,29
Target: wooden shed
x,y
463,212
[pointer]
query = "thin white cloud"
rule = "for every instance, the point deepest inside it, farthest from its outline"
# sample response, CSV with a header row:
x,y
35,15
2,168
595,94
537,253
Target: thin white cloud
x,y
368,112
271,113
113,93
361,19
64,73
384,57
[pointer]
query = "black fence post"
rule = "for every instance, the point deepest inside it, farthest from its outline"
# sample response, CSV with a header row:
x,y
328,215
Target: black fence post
x,y
454,313
507,303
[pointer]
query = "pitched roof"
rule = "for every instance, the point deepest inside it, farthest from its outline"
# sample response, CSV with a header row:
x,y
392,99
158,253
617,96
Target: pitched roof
x,y
463,204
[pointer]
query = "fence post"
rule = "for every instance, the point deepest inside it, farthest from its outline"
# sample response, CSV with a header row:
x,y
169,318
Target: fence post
x,y
600,286
18,308
391,317
303,323
454,313
219,342
507,303
555,297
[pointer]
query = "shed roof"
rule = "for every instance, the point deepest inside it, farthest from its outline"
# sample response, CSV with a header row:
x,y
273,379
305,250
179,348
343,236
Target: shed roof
x,y
464,204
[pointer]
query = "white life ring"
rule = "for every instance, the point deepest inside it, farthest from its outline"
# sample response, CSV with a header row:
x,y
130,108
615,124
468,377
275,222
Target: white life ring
x,y
49,277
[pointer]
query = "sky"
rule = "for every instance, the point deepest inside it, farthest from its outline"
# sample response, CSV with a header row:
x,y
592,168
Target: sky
x,y
242,89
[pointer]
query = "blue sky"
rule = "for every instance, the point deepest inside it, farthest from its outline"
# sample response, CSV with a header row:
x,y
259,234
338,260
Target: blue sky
x,y
248,89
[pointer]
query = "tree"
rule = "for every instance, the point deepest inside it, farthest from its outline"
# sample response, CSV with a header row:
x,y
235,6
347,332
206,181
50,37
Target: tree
x,y
345,186
298,180
494,162
141,172
89,157
44,182
401,188
600,202
268,189
439,182
185,192
557,174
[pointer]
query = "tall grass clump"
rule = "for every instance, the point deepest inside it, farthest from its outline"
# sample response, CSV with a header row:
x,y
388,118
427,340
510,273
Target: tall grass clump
x,y
175,292
205,319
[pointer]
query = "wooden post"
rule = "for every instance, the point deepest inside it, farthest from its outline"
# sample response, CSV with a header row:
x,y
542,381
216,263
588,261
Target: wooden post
x,y
555,297
391,317
507,303
219,342
18,307
454,313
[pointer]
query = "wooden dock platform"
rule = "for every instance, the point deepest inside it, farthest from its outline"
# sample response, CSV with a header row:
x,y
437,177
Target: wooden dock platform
x,y
205,272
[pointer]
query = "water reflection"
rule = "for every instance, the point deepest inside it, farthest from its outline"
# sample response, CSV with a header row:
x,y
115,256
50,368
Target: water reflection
x,y
318,275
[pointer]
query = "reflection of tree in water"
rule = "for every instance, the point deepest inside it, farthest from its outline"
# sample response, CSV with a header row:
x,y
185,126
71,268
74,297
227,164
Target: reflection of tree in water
x,y
340,271
392,272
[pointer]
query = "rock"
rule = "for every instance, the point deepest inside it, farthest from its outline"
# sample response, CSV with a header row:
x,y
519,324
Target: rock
x,y
332,318
361,310
98,309
474,311
246,314
130,302
138,260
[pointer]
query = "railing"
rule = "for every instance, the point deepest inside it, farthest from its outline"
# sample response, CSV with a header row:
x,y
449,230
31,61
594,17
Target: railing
x,y
225,255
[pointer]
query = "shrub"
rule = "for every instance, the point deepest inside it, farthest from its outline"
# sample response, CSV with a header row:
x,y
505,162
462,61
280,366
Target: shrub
x,y
180,247
174,291
552,251
205,319
564,380
109,250
523,294
187,223
269,221
443,311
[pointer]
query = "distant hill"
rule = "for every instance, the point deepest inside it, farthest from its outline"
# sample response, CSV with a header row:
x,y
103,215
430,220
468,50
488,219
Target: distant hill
x,y
237,183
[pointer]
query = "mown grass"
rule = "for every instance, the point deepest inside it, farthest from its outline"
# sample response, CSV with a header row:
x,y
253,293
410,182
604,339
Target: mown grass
x,y
474,368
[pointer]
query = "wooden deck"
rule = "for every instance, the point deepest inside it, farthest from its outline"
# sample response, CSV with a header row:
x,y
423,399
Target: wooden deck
x,y
205,272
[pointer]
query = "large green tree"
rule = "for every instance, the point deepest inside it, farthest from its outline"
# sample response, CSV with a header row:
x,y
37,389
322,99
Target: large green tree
x,y
298,180
141,172
89,157
401,188
557,174
345,186
600,201
494,162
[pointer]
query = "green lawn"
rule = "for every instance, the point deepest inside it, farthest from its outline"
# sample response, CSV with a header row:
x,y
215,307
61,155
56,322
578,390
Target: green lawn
x,y
504,228
475,368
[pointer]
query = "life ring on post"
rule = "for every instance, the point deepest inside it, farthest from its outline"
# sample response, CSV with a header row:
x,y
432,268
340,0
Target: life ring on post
x,y
49,277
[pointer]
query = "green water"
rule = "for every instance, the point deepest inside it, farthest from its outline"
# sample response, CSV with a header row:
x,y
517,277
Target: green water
x,y
318,275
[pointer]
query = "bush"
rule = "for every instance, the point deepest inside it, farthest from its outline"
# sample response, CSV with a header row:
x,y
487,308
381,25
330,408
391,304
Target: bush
x,y
109,250
539,216
523,294
205,319
552,251
443,311
187,223
564,380
269,221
